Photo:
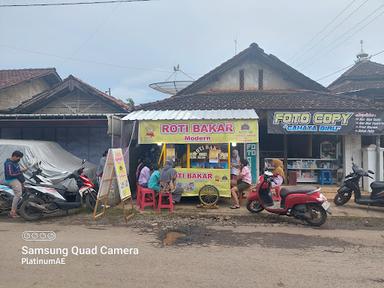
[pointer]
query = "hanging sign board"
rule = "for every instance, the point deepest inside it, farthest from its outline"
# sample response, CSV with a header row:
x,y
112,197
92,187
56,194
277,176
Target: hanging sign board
x,y
251,153
311,122
199,131
114,174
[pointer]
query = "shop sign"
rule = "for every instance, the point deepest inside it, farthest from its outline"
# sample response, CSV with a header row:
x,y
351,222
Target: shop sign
x,y
114,170
192,180
363,123
199,131
251,153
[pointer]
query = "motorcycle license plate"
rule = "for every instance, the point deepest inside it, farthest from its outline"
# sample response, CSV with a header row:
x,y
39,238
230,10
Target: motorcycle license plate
x,y
326,205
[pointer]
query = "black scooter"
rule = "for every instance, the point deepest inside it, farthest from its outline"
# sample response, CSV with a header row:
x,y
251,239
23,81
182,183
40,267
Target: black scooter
x,y
351,185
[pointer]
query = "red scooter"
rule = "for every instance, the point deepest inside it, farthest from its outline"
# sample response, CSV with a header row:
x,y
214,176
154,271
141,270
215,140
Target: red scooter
x,y
302,202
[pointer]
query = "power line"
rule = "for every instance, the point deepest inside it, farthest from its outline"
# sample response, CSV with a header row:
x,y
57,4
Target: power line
x,y
324,28
104,21
333,73
338,25
84,60
344,38
347,67
70,3
378,53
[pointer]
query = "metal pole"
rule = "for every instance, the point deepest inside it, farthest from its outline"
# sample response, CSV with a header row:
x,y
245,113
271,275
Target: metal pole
x,y
379,164
286,157
111,131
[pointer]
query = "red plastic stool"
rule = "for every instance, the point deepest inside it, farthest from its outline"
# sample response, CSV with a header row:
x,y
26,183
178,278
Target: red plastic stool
x,y
147,198
161,203
138,195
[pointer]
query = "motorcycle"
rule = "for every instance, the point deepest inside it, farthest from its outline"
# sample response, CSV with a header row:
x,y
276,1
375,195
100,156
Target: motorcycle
x,y
302,202
6,198
351,185
46,198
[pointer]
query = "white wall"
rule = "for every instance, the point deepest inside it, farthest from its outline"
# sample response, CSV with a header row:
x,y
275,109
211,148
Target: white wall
x,y
13,96
369,163
351,148
230,80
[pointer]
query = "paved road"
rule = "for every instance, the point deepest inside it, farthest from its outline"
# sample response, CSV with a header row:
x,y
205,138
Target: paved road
x,y
207,255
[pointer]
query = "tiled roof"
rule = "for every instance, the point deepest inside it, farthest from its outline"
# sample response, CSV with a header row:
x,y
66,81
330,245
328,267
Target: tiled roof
x,y
363,75
15,76
69,82
191,114
261,100
255,52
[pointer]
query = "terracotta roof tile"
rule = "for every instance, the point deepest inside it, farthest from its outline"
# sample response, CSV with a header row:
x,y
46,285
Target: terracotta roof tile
x,y
15,76
40,99
361,76
261,100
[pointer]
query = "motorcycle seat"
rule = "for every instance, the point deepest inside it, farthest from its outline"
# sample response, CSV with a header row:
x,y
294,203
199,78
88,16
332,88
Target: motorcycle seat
x,y
285,191
377,185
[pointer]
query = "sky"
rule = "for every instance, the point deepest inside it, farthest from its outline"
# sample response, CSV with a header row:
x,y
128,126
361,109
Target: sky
x,y
127,46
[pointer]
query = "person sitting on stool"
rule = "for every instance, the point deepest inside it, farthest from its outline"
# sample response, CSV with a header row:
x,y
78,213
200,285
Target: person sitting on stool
x,y
243,183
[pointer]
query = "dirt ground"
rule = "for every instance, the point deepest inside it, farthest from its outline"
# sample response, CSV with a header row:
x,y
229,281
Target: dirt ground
x,y
196,251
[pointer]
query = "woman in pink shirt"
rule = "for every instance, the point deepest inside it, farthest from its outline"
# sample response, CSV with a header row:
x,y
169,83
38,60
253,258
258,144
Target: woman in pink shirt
x,y
243,183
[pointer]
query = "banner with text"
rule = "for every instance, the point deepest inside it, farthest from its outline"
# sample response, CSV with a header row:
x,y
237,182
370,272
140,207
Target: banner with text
x,y
342,123
199,131
192,180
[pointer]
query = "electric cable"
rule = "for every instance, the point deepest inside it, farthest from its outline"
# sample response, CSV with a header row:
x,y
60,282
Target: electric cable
x,y
347,67
46,4
316,45
343,39
323,29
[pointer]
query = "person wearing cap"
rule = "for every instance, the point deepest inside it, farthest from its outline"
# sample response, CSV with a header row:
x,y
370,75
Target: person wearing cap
x,y
168,181
14,178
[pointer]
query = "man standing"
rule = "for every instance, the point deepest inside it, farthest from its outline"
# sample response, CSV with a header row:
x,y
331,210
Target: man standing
x,y
14,178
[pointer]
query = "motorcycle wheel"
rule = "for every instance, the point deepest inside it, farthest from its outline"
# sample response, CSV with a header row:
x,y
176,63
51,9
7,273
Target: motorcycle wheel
x,y
317,215
342,198
90,200
254,206
30,213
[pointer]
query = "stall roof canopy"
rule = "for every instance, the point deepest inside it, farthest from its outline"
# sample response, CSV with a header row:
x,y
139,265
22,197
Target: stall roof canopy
x,y
191,114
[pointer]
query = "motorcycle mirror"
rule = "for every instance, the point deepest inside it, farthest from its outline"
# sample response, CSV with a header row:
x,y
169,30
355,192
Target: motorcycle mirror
x,y
83,161
371,172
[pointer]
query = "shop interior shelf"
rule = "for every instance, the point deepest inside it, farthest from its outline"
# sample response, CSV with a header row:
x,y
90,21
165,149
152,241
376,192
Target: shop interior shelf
x,y
292,168
307,180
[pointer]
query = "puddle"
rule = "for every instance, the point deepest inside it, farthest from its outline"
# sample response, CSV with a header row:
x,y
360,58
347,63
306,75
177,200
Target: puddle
x,y
171,237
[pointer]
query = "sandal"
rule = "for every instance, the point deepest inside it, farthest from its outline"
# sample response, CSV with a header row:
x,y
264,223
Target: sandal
x,y
13,216
234,207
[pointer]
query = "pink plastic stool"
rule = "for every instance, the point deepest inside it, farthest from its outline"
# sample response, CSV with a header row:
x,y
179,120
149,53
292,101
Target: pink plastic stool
x,y
138,195
147,198
161,203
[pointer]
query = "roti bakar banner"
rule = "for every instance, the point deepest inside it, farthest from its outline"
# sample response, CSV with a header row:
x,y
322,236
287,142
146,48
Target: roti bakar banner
x,y
199,131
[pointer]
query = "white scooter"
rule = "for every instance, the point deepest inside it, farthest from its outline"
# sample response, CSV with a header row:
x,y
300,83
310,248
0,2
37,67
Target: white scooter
x,y
46,198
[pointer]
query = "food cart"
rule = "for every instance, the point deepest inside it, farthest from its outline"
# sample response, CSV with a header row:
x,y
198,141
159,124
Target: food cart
x,y
199,143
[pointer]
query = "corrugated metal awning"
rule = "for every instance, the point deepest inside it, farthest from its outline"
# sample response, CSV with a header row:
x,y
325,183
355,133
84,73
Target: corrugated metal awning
x,y
192,115
57,116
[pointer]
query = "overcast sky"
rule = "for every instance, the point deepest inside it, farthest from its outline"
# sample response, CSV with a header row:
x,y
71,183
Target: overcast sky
x,y
141,42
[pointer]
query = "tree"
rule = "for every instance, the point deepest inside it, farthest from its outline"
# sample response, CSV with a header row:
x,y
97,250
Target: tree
x,y
130,101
